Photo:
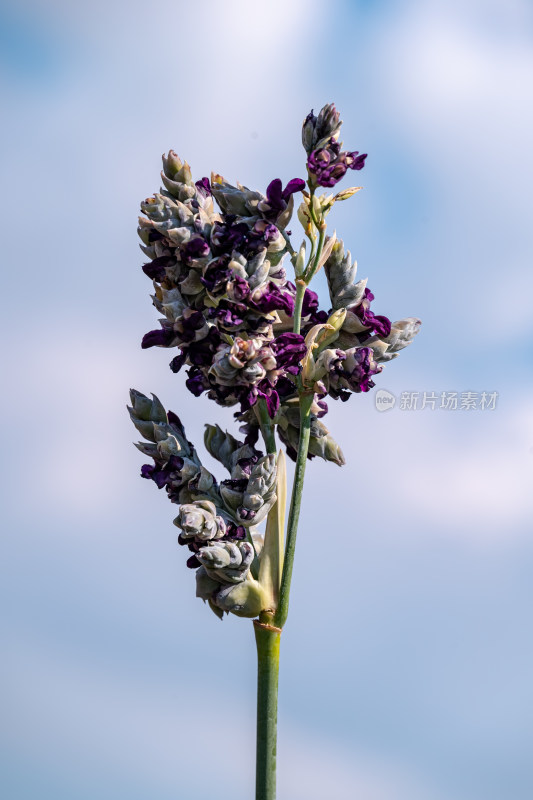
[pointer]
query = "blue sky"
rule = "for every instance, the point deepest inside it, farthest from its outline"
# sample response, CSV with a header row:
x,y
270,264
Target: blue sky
x,y
407,658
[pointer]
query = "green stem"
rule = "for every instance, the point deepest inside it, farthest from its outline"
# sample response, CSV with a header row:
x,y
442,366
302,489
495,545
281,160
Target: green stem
x,y
309,275
301,286
267,640
306,401
268,630
267,428
280,617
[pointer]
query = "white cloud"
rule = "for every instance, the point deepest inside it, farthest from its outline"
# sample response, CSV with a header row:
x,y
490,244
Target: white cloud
x,y
313,767
464,476
454,80
460,84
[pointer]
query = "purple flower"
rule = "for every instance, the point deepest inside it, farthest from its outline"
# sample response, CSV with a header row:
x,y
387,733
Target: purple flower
x,y
158,338
246,464
201,353
234,531
195,383
269,233
229,235
311,315
190,327
375,323
229,316
271,399
204,187
238,289
178,361
189,324
323,406
277,199
162,476
289,349
274,299
155,236
352,371
248,369
156,269
217,275
285,387
194,248
228,333
310,308
327,165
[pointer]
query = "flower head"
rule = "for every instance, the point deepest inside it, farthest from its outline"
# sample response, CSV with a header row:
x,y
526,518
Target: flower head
x,y
217,255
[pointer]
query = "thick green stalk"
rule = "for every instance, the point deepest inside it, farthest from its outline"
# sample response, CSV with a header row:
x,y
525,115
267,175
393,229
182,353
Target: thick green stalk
x,y
267,639
282,611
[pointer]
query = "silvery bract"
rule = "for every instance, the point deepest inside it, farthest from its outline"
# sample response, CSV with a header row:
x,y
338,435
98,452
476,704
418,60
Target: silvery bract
x,y
200,521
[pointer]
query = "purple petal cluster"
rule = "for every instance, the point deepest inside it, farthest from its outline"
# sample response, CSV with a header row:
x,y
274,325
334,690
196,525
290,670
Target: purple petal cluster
x,y
372,323
219,285
351,371
278,199
205,514
327,165
215,257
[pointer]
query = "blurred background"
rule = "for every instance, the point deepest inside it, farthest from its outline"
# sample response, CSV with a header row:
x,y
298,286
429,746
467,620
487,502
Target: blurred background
x,y
408,654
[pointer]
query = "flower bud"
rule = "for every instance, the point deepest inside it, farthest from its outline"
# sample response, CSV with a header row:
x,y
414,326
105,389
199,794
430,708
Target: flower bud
x,y
402,334
250,500
325,446
177,178
205,586
143,408
344,194
144,413
225,448
169,446
331,330
260,493
227,562
340,272
299,265
199,521
308,132
316,131
245,599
